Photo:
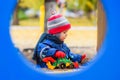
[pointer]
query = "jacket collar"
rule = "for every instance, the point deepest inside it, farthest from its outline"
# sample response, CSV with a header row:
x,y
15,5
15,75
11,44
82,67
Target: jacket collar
x,y
54,39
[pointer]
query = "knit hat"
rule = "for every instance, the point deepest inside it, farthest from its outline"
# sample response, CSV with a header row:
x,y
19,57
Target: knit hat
x,y
57,23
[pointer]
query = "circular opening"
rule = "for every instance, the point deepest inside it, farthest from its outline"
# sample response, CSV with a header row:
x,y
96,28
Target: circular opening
x,y
83,38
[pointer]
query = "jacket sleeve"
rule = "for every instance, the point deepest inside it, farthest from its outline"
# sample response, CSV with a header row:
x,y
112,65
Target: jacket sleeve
x,y
44,50
74,57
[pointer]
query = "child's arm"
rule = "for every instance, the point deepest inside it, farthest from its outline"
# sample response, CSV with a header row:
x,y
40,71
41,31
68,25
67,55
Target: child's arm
x,y
44,50
79,58
74,57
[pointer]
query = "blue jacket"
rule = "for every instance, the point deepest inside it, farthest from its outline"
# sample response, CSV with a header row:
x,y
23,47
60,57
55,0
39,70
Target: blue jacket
x,y
49,47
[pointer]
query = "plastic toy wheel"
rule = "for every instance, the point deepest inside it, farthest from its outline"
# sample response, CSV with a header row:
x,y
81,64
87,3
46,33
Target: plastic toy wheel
x,y
71,66
62,66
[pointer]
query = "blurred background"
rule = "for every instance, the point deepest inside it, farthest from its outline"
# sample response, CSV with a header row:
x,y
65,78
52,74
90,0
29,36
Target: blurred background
x,y
29,21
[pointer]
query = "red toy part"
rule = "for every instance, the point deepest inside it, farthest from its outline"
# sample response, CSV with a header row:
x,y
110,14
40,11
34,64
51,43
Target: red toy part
x,y
83,57
60,54
47,59
76,65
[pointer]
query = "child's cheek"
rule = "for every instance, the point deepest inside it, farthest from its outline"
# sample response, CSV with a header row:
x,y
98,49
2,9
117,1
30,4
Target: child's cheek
x,y
62,38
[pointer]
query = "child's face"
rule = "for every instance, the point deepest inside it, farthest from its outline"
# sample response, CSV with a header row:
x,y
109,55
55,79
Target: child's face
x,y
63,35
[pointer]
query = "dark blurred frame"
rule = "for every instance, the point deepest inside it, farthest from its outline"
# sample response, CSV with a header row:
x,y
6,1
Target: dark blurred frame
x,y
101,24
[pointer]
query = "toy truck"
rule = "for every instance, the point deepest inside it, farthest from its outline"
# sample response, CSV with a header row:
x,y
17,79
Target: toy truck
x,y
62,63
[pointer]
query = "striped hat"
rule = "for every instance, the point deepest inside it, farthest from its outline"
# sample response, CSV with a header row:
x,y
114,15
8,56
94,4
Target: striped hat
x,y
57,23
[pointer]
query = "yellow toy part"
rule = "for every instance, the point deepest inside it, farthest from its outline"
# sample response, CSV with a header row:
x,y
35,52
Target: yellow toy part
x,y
50,66
67,64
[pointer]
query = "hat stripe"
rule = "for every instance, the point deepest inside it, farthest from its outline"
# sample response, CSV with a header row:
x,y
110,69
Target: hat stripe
x,y
54,17
62,24
56,21
58,24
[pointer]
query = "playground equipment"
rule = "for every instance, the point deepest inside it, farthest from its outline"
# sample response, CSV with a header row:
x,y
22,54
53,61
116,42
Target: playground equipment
x,y
16,67
42,18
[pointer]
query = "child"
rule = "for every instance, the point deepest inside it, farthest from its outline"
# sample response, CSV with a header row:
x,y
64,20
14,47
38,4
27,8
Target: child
x,y
54,46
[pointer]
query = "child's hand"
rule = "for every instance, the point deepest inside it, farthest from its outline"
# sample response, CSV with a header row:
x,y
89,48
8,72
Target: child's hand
x,y
83,56
84,59
60,54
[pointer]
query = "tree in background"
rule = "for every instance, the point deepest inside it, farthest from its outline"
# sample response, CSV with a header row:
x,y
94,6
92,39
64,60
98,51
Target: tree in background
x,y
15,15
49,4
86,5
25,4
89,7
33,4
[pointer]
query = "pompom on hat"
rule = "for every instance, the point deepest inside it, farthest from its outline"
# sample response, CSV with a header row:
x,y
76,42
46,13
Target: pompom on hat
x,y
57,23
